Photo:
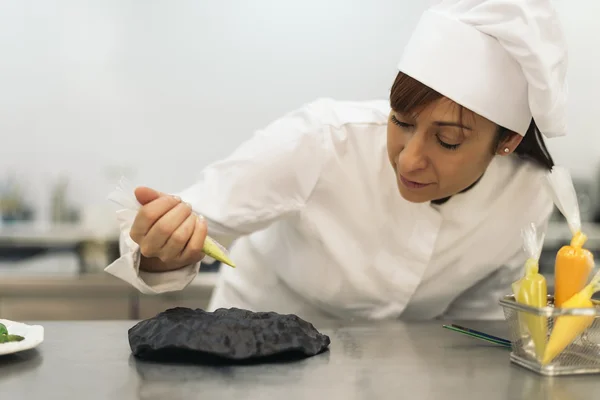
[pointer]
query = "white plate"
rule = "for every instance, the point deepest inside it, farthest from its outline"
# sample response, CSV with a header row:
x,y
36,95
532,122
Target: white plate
x,y
33,334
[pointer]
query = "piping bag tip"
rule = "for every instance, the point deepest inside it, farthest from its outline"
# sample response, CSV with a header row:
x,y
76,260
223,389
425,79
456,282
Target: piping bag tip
x,y
214,250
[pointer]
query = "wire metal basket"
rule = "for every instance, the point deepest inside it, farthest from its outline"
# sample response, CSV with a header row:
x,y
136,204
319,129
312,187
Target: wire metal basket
x,y
582,356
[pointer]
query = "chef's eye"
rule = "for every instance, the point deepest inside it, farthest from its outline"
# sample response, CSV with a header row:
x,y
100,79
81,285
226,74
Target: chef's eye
x,y
401,124
447,145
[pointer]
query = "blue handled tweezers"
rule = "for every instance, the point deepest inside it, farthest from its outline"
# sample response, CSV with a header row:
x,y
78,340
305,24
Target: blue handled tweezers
x,y
479,335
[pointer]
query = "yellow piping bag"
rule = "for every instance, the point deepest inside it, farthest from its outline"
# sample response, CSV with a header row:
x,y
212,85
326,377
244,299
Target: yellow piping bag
x,y
531,290
567,327
572,269
573,263
124,196
214,249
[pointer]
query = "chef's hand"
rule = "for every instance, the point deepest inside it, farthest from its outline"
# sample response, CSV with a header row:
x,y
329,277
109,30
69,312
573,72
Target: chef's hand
x,y
170,236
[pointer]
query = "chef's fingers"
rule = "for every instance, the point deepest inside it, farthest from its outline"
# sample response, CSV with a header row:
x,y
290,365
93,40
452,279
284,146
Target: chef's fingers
x,y
160,232
176,243
149,214
145,194
193,250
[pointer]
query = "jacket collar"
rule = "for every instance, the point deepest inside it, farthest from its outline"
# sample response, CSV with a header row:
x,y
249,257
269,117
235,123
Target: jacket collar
x,y
439,202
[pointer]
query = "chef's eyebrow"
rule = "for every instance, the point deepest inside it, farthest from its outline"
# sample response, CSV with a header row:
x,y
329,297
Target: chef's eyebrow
x,y
414,116
450,123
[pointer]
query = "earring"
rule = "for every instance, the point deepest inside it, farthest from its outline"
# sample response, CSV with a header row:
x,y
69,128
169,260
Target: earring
x,y
506,150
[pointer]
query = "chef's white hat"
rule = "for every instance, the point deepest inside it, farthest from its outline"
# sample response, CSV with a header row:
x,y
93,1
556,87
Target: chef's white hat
x,y
503,59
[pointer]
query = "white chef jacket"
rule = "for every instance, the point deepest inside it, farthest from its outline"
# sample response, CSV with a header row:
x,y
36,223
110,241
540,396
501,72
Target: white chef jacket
x,y
319,227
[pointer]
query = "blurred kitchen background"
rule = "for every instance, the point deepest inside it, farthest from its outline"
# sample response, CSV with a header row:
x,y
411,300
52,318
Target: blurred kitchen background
x,y
155,90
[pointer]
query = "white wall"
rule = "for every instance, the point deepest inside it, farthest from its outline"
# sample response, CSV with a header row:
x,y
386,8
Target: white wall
x,y
165,87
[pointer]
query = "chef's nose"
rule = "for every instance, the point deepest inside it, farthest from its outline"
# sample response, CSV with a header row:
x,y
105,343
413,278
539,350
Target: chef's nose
x,y
413,155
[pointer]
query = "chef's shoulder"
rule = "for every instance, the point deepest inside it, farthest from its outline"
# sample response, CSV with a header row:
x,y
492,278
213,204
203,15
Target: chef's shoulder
x,y
325,115
338,113
524,187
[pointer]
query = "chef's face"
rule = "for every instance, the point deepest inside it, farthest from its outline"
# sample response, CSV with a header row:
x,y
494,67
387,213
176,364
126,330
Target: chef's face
x,y
437,152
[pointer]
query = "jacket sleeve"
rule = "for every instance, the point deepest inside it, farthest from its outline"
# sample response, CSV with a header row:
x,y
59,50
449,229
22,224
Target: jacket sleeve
x,y
267,178
481,301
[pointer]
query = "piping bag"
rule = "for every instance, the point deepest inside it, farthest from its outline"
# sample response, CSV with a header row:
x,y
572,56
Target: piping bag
x,y
573,263
531,289
124,196
567,327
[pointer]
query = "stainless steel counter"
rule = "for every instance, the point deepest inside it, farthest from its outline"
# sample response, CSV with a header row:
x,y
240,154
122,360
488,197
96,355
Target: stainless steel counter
x,y
92,360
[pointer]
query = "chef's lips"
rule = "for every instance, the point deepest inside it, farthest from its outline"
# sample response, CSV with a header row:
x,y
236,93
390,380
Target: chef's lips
x,y
124,196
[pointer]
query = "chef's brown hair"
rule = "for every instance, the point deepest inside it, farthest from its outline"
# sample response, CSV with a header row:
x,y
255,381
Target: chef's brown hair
x,y
408,94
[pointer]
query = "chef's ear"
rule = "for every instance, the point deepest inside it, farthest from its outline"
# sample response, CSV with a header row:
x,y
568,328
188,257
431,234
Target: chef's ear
x,y
508,142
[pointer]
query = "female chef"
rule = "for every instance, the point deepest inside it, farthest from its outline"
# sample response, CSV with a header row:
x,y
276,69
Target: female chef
x,y
409,208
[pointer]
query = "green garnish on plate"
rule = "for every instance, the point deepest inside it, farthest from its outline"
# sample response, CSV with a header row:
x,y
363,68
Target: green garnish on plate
x,y
5,337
